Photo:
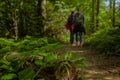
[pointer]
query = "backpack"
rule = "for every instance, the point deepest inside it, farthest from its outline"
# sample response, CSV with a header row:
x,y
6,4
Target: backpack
x,y
79,22
78,18
69,22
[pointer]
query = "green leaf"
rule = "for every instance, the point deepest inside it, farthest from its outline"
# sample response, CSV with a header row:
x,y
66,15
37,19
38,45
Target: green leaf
x,y
39,62
66,63
4,61
74,56
80,62
67,69
6,67
26,74
19,65
67,56
8,76
50,57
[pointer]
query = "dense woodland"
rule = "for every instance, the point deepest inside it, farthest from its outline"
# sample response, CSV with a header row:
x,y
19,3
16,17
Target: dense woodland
x,y
31,32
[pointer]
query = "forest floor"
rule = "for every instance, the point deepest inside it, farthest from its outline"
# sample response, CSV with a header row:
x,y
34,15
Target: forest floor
x,y
99,67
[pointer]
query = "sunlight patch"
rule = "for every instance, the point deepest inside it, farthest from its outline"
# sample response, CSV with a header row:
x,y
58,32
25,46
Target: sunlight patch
x,y
78,51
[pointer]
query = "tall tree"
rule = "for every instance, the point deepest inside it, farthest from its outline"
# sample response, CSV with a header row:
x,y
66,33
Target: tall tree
x,y
15,23
111,8
111,4
11,22
113,17
97,12
41,14
93,15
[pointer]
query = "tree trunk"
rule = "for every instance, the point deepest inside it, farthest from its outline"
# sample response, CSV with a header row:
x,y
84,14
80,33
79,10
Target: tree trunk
x,y
119,5
113,17
93,16
110,4
41,14
97,13
15,22
111,7
43,7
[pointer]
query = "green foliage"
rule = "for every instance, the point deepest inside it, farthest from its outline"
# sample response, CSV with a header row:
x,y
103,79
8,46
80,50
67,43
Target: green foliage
x,y
34,59
79,62
50,47
26,74
23,10
8,76
6,45
67,64
5,65
28,44
106,40
56,18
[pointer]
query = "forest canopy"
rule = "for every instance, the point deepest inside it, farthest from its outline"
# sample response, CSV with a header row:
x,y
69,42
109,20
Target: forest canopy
x,y
19,18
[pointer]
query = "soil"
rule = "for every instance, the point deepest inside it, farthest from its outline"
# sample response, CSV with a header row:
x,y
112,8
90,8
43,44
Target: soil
x,y
98,66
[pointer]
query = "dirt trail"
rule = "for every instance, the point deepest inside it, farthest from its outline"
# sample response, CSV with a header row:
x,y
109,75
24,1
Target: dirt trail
x,y
99,67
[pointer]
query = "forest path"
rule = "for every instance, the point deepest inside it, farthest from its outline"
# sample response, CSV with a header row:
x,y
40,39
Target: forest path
x,y
99,67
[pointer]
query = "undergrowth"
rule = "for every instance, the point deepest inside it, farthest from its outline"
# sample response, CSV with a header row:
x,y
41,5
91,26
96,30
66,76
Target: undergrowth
x,y
106,40
36,59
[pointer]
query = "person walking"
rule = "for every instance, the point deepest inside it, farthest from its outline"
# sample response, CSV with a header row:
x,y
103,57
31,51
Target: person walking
x,y
79,29
69,26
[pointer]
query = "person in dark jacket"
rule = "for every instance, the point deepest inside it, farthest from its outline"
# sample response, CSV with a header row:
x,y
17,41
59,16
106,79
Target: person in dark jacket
x,y
69,26
79,29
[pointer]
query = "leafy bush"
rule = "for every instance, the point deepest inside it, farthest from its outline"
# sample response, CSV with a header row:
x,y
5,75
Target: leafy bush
x,y
27,44
106,40
37,61
6,45
30,44
50,67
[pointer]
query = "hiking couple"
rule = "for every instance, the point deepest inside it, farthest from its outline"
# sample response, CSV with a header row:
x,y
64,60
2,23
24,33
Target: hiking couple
x,y
75,23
